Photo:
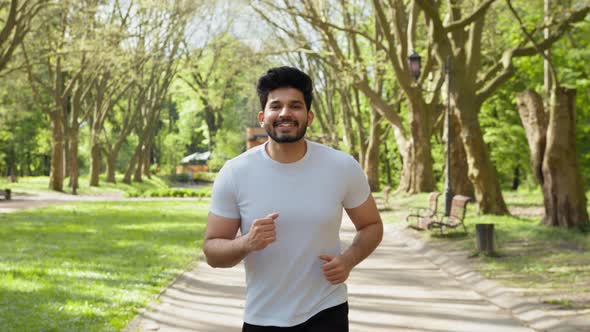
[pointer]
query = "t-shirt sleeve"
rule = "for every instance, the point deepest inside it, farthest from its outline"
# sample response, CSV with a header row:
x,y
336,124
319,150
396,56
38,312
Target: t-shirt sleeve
x,y
357,189
223,196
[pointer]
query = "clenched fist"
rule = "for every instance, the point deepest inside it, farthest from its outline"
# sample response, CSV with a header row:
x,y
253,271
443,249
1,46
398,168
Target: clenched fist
x,y
262,233
336,269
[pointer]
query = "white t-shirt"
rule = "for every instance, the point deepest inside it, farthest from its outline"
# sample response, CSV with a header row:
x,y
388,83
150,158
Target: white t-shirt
x,y
285,285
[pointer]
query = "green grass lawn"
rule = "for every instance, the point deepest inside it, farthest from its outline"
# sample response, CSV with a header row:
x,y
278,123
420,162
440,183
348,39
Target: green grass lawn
x,y
41,183
92,266
550,263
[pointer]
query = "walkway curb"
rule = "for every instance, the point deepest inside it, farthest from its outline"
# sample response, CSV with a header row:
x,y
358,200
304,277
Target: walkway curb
x,y
136,323
528,312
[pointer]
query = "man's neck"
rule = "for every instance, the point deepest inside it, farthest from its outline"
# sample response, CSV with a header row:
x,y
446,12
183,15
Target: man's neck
x,y
286,152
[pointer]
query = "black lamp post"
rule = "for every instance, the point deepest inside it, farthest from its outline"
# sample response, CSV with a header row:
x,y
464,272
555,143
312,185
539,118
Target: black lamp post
x,y
414,64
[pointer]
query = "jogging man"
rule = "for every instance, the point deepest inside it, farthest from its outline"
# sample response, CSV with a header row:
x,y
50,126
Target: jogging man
x,y
287,196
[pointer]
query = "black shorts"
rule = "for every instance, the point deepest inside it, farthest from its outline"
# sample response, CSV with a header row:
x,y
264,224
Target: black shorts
x,y
334,319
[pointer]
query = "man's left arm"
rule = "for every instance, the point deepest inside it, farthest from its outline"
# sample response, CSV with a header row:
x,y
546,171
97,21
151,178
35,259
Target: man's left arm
x,y
369,232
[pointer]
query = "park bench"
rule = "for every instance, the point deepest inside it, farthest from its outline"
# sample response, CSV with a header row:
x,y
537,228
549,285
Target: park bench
x,y
456,217
6,193
420,218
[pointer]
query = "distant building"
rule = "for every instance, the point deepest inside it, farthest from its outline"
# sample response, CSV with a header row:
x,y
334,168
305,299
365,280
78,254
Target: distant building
x,y
194,163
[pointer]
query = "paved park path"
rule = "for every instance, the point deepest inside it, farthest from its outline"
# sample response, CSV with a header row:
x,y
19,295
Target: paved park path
x,y
403,286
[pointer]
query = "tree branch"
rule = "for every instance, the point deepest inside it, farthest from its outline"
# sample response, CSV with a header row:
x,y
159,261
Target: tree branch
x,y
506,61
431,11
562,27
478,13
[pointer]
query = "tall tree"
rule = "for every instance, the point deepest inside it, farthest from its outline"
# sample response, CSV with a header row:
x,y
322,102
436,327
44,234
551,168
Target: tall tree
x,y
212,73
54,67
111,82
16,25
390,38
553,155
552,137
160,34
475,80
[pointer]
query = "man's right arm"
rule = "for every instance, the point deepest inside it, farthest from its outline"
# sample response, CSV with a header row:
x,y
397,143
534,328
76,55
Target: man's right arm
x,y
223,249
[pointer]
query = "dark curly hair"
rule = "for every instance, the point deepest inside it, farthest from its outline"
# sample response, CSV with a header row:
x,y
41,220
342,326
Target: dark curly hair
x,y
284,77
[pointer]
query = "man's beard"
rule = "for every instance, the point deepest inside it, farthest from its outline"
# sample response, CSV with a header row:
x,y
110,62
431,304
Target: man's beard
x,y
285,138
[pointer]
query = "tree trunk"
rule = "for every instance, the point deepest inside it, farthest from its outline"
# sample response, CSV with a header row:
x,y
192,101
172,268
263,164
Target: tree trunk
x,y
386,161
131,167
74,167
516,178
563,188
147,160
111,167
112,155
547,81
534,121
13,171
372,156
94,163
11,166
482,172
360,134
347,114
139,168
56,173
460,183
417,173
211,125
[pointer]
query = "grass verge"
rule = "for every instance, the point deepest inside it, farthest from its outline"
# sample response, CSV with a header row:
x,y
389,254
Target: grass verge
x,y
92,266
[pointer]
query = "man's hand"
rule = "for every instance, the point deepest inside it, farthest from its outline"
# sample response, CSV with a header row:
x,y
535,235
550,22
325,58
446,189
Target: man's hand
x,y
336,269
261,234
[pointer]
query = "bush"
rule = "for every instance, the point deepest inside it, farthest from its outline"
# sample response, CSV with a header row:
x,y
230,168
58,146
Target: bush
x,y
133,193
205,176
182,177
201,193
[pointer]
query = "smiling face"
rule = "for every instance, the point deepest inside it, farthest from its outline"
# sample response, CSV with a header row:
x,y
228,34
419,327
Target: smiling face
x,y
285,117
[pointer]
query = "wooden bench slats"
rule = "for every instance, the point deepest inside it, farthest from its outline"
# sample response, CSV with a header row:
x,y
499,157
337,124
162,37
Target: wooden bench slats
x,y
456,216
420,218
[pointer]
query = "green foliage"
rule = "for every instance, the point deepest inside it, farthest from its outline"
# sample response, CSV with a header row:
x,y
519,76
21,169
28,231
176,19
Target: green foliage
x,y
229,144
24,138
505,136
170,153
390,160
92,266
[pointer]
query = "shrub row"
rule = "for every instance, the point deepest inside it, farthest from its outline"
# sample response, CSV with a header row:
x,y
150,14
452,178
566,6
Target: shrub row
x,y
185,177
202,192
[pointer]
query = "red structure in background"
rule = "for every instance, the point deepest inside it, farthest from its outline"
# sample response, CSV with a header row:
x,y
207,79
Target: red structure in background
x,y
256,136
